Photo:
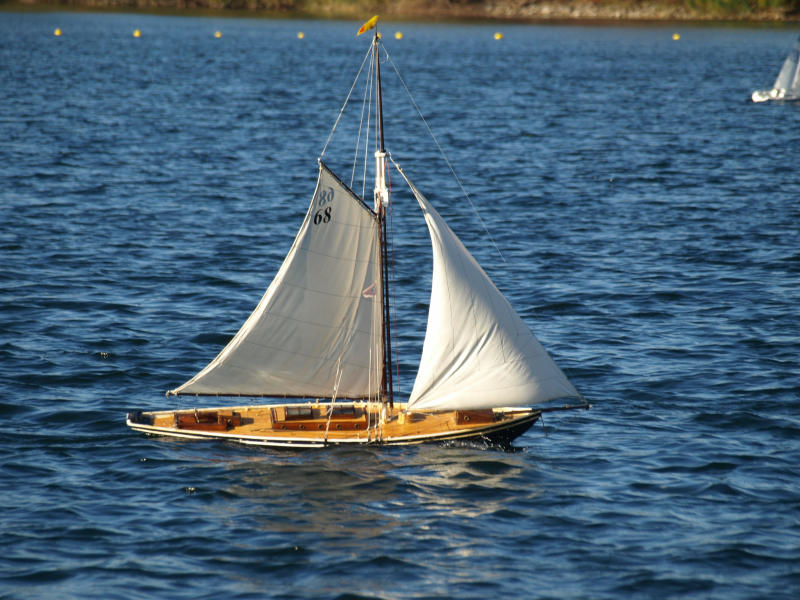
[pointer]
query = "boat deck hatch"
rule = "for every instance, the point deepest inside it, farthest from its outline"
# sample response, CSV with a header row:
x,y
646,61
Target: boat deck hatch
x,y
474,417
207,421
292,413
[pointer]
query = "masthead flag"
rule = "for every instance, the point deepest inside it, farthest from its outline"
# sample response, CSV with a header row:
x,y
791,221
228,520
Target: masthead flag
x,y
368,25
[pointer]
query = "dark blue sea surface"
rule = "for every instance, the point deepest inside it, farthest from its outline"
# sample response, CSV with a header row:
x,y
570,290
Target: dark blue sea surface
x,y
647,216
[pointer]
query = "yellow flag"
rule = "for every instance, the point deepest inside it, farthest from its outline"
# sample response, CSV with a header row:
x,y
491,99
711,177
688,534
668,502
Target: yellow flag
x,y
368,25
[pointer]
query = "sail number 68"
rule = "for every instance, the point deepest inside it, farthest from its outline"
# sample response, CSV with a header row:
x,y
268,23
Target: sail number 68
x,y
323,214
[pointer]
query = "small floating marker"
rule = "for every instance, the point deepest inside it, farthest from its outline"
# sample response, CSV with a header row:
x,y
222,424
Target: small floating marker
x,y
398,35
57,32
676,36
498,35
300,35
137,33
217,34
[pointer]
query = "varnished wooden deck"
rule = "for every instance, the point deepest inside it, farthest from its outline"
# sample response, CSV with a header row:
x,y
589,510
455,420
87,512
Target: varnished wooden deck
x,y
351,423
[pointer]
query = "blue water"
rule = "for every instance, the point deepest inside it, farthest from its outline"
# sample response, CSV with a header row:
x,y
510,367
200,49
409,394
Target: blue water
x,y
647,216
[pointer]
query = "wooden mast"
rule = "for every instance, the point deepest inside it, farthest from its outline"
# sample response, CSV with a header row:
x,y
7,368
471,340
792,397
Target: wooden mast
x,y
382,205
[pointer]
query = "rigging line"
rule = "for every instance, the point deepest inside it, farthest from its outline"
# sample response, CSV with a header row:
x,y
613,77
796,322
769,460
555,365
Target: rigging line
x,y
333,398
361,123
369,386
381,197
372,84
561,422
341,112
444,156
393,305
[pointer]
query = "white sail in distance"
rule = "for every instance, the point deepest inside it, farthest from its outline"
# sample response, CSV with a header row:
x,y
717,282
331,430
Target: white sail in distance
x,y
319,322
478,353
787,84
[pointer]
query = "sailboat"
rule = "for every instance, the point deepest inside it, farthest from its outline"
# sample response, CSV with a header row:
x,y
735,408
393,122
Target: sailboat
x,y
787,85
315,357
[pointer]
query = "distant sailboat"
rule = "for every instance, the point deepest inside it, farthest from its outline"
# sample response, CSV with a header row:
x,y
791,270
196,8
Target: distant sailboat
x,y
787,85
321,335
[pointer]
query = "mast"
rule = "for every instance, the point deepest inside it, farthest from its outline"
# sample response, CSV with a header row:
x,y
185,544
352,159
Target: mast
x,y
381,208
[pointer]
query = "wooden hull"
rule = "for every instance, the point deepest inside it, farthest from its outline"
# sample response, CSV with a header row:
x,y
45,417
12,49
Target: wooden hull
x,y
309,425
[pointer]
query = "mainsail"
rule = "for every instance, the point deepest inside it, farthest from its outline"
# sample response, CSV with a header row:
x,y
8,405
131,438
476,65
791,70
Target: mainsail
x,y
317,329
478,353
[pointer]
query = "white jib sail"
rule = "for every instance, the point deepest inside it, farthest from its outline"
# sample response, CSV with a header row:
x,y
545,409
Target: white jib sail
x,y
319,321
478,353
788,77
788,80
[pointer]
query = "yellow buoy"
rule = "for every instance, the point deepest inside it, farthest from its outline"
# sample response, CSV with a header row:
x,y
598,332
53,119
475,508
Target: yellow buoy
x,y
57,32
300,35
398,35
498,36
137,33
676,36
217,34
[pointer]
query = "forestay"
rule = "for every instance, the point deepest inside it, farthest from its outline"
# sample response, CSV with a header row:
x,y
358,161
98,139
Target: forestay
x,y
318,326
478,353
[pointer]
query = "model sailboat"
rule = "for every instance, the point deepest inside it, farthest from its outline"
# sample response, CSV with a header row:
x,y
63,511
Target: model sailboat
x,y
321,338
787,85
